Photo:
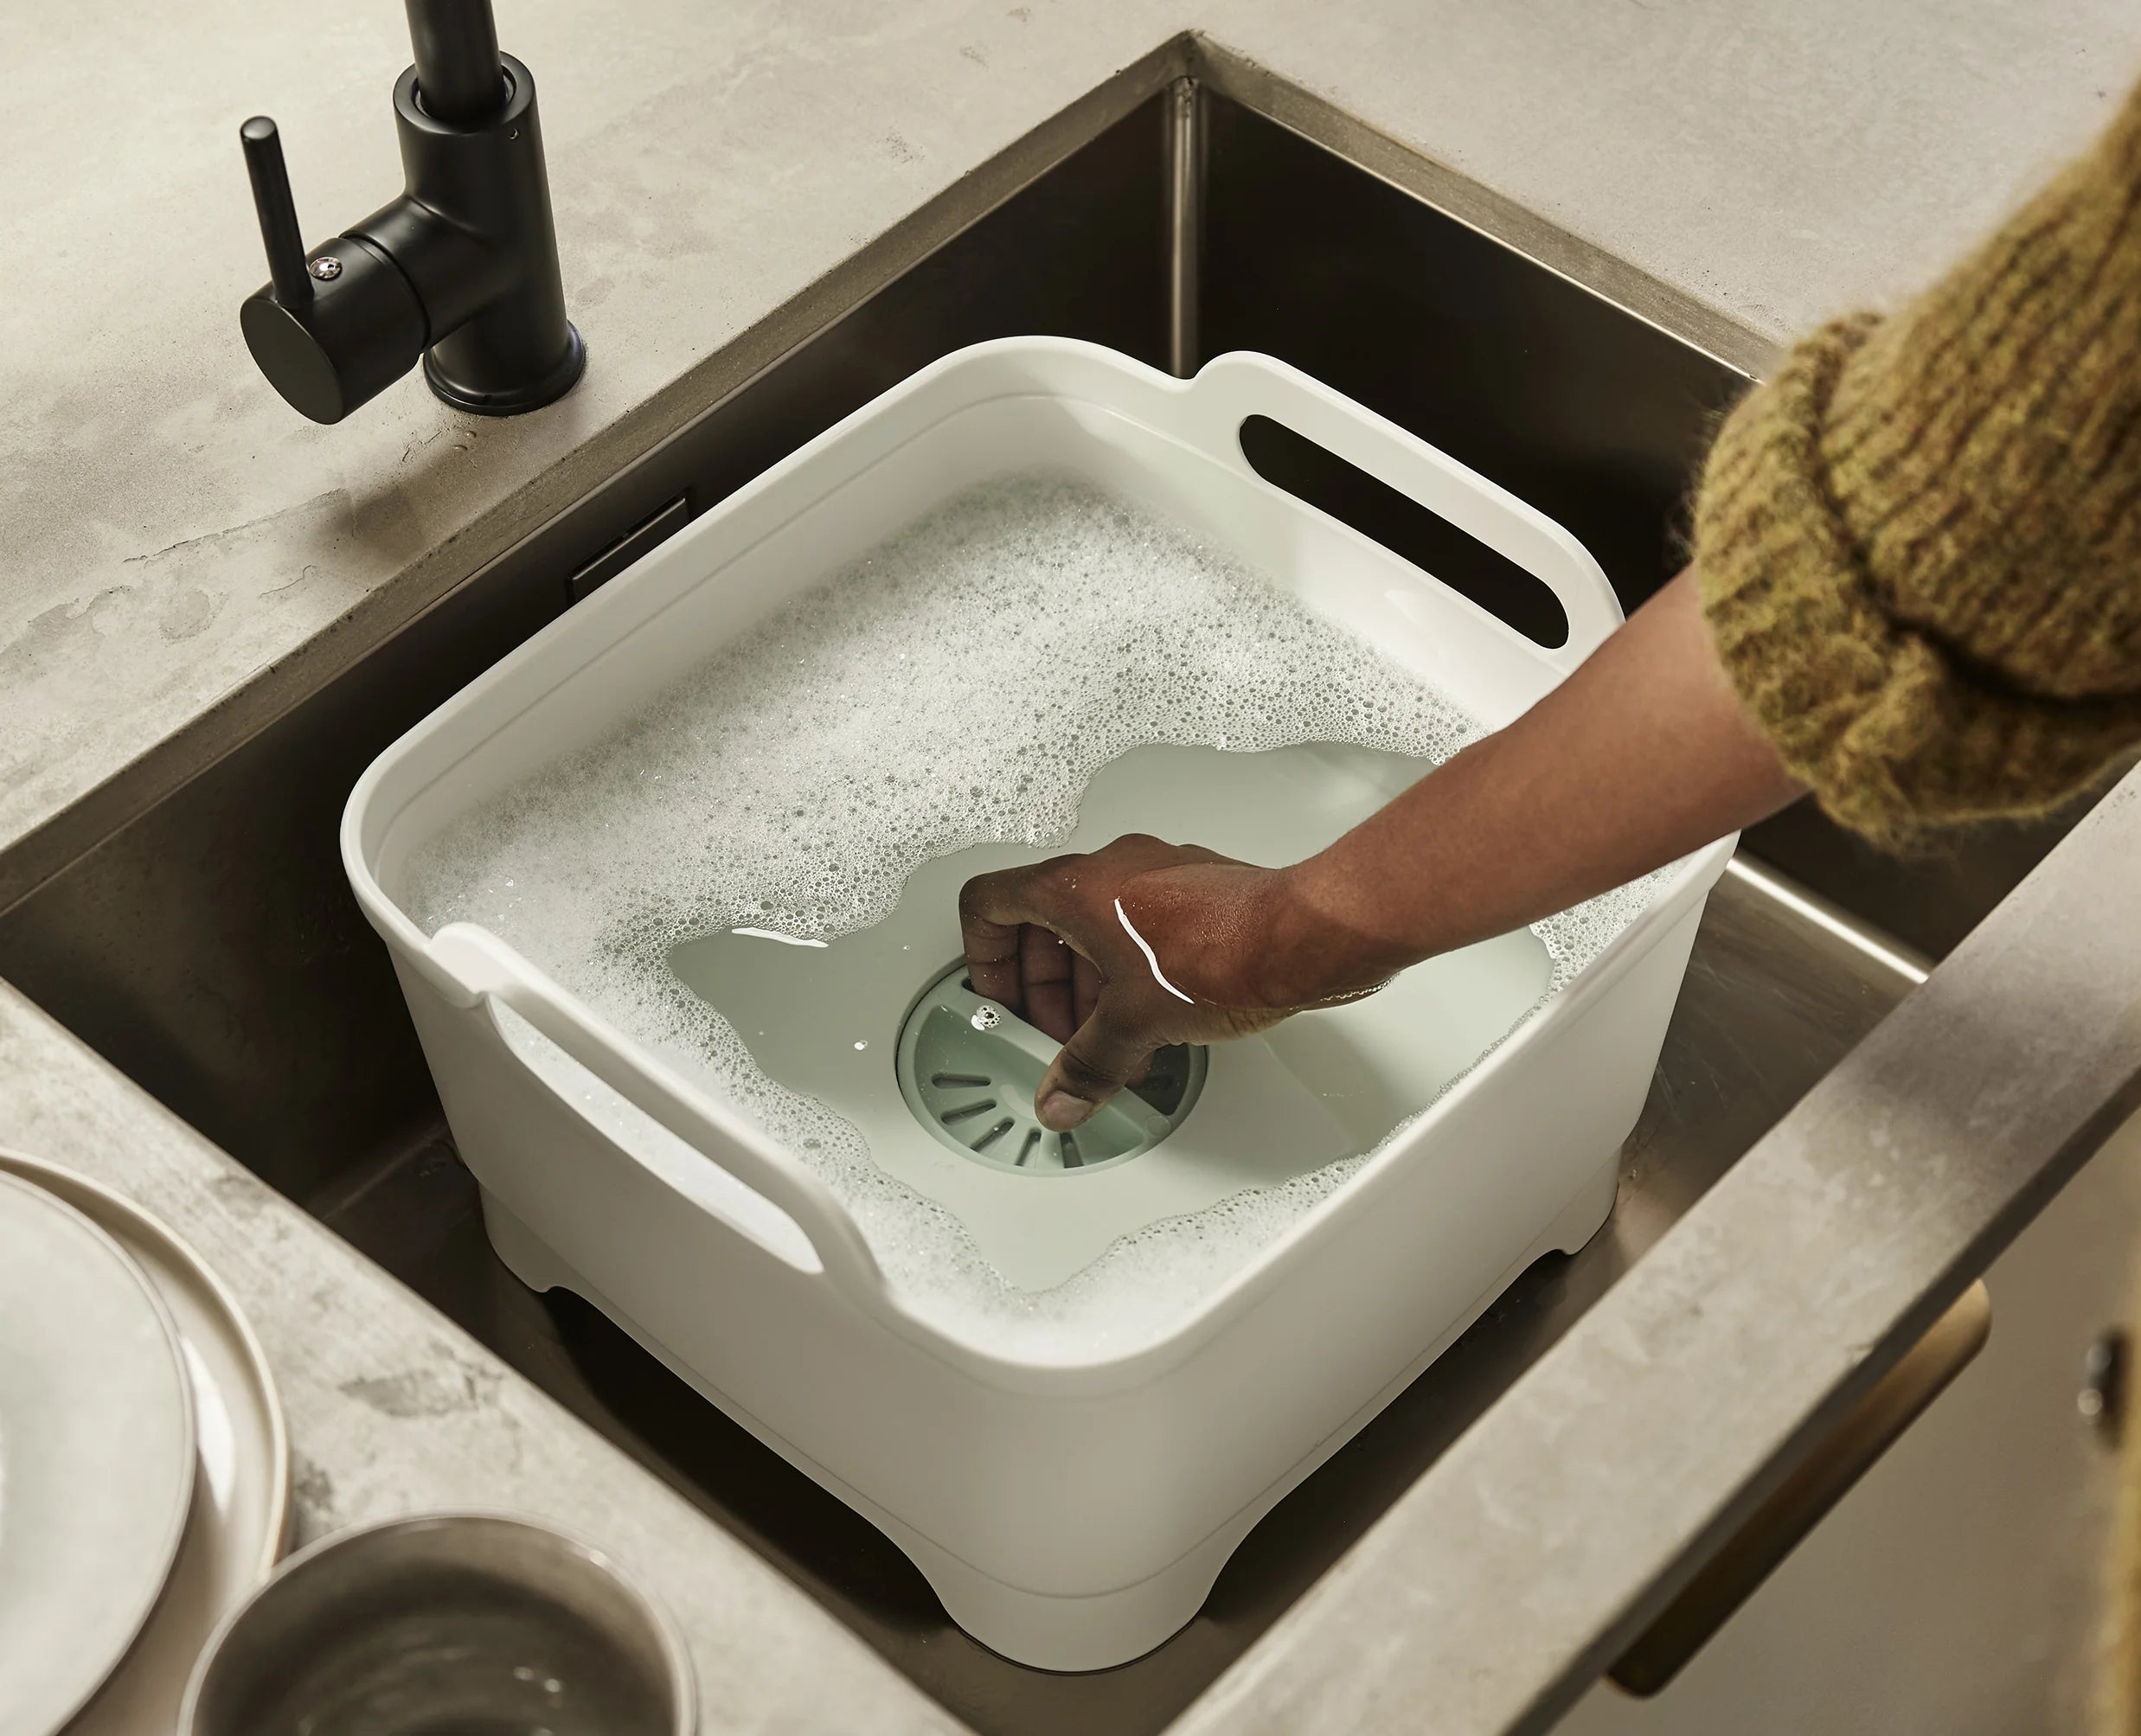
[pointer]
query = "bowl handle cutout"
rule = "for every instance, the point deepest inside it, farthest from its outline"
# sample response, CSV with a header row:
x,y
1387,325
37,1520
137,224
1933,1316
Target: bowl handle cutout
x,y
1337,486
1238,389
486,968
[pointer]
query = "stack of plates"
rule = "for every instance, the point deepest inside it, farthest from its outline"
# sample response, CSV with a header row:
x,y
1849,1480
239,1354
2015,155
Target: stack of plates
x,y
144,1465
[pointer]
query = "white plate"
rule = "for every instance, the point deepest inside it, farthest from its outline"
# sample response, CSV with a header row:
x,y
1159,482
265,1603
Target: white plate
x,y
96,1455
240,1518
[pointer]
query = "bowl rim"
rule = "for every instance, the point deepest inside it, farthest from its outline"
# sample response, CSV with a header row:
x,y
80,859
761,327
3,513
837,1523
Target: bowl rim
x,y
669,1641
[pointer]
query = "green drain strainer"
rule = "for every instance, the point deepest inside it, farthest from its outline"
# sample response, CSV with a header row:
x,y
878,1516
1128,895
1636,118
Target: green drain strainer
x,y
968,1069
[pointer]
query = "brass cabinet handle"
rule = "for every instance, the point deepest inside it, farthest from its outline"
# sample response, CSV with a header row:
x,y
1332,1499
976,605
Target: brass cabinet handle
x,y
1804,1499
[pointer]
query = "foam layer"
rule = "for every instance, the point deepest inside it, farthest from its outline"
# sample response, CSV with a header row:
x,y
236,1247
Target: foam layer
x,y
958,685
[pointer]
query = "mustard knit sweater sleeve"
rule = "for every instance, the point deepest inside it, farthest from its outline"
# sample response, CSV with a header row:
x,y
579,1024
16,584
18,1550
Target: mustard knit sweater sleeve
x,y
1920,543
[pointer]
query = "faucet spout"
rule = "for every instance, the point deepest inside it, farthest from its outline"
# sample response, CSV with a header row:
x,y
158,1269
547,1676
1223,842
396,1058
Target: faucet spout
x,y
459,76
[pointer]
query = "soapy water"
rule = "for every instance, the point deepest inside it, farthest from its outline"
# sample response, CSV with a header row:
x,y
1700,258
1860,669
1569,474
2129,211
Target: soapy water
x,y
958,685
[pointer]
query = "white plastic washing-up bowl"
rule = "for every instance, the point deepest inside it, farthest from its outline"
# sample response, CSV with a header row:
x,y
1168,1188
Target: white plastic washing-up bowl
x,y
1070,1513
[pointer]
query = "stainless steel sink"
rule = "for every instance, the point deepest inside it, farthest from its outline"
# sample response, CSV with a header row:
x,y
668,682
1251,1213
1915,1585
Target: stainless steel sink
x,y
210,947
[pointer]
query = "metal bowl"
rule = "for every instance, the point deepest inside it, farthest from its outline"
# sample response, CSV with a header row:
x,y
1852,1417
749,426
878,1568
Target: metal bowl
x,y
444,1622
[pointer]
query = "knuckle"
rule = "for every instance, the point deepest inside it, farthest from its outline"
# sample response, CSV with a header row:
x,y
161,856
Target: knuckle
x,y
986,890
1052,886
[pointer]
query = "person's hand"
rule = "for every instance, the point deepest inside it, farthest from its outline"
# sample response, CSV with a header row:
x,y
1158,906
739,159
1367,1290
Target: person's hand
x,y
1645,753
1124,950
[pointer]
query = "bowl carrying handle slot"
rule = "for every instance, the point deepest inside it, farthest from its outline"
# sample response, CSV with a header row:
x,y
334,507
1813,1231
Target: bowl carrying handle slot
x,y
1231,388
485,967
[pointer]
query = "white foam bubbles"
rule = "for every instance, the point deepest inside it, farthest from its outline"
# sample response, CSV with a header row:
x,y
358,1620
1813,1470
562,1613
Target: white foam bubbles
x,y
958,685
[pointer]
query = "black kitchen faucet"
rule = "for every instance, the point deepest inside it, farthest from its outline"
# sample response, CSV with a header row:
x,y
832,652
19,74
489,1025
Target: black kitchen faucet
x,y
462,269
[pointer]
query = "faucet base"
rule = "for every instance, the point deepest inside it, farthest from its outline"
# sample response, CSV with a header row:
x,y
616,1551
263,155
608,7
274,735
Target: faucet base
x,y
516,400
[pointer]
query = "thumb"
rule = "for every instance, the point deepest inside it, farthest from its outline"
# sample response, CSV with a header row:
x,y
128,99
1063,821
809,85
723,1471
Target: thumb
x,y
1104,1054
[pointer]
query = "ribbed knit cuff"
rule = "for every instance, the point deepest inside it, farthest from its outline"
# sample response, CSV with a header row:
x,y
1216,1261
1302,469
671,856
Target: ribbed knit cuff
x,y
1896,734
1920,543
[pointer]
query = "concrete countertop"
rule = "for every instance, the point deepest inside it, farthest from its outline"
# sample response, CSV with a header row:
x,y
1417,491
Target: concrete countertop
x,y
183,554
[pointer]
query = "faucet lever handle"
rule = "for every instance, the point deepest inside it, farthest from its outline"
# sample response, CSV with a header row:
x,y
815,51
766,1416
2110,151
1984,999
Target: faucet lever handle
x,y
278,212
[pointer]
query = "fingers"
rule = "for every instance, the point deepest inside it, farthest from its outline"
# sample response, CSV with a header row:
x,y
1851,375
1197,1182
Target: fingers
x,y
992,910
1086,983
1104,1054
1045,972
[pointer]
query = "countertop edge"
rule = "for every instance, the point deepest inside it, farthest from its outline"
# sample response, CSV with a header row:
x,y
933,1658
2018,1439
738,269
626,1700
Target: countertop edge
x,y
394,1408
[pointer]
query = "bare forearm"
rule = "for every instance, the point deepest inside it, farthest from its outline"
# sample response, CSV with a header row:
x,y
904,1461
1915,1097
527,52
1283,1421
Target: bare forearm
x,y
1642,755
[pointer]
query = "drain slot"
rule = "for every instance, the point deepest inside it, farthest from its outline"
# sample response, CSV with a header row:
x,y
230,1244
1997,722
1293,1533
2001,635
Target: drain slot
x,y
968,1112
955,1043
